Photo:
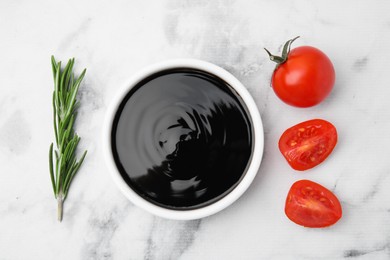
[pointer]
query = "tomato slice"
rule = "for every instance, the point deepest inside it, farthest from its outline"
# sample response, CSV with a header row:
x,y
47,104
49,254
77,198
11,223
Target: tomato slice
x,y
307,144
311,205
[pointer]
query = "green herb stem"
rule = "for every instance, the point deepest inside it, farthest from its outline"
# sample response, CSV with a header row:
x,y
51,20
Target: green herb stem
x,y
64,101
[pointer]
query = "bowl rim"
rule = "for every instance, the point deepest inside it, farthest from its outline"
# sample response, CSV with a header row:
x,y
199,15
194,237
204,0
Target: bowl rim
x,y
258,138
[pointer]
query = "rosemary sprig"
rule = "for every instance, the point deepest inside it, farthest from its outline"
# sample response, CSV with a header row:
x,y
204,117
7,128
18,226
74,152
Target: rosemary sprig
x,y
64,166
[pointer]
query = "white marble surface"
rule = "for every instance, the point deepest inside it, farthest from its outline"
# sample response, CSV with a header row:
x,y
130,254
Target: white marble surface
x,y
114,39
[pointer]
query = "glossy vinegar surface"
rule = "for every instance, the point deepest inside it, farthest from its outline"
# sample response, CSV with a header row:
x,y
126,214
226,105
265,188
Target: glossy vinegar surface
x,y
182,139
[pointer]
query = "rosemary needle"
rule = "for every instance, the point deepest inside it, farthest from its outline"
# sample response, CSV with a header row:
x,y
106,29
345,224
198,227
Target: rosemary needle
x,y
64,166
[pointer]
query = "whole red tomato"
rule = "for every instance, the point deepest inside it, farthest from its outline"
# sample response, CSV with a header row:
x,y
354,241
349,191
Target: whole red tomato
x,y
303,76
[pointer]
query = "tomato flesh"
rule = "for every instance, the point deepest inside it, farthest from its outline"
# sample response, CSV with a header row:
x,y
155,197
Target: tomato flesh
x,y
307,144
311,205
305,78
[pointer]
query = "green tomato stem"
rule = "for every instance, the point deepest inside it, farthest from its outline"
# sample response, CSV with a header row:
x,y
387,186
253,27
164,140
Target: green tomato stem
x,y
286,50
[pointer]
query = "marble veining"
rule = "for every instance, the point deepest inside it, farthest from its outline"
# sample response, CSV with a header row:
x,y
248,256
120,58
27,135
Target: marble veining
x,y
15,133
102,228
114,40
360,64
92,99
170,239
105,227
74,36
355,253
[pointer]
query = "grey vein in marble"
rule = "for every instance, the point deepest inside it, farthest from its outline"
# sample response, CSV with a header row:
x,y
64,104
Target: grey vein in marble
x,y
170,239
360,64
89,96
15,133
200,29
357,253
73,36
102,229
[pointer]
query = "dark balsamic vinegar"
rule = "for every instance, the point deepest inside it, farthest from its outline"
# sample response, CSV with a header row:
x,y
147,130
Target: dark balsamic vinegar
x,y
182,138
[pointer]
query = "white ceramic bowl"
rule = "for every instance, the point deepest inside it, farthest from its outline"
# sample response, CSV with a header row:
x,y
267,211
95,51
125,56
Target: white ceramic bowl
x,y
258,141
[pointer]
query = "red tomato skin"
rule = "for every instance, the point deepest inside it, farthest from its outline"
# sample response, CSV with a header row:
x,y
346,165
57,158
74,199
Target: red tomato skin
x,y
327,135
320,210
305,79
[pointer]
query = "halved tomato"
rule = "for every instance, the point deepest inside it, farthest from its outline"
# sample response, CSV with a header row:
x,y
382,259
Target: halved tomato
x,y
311,205
307,144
